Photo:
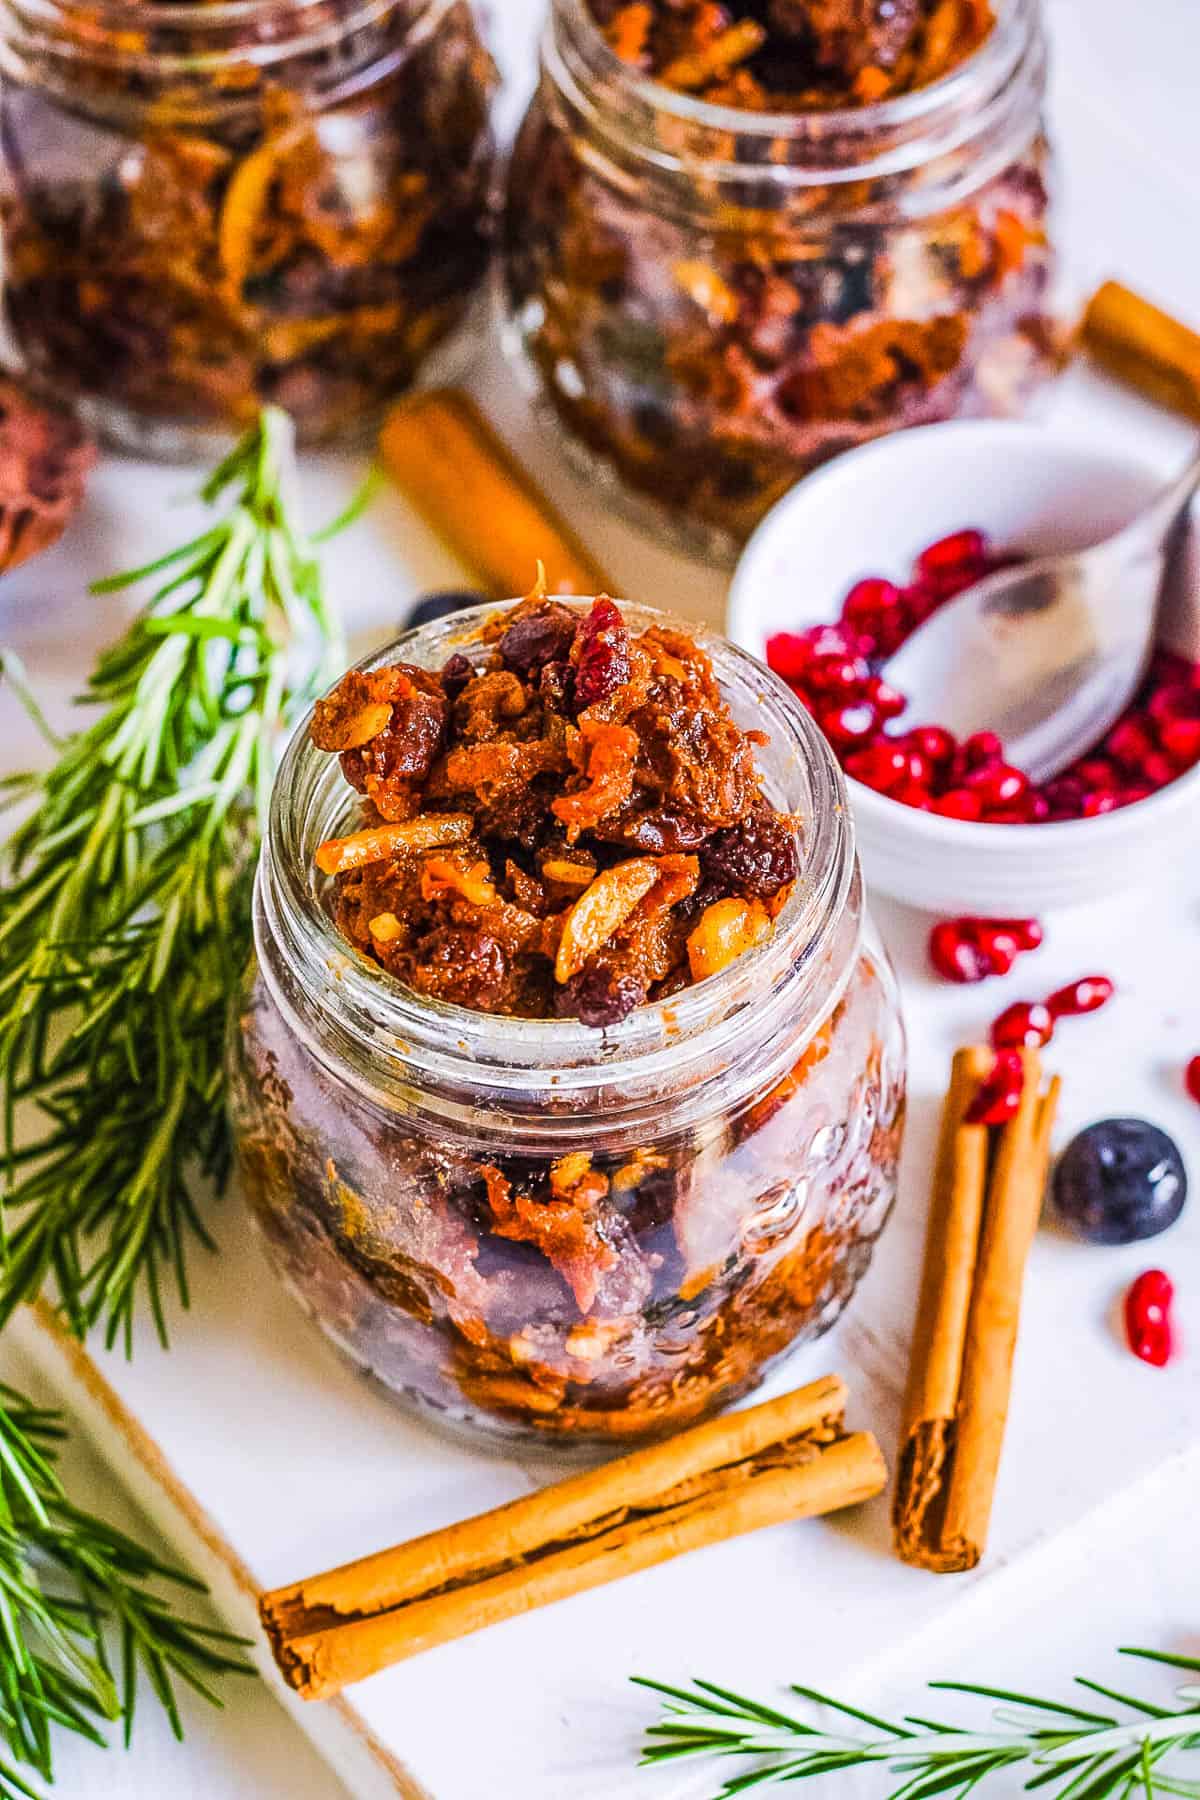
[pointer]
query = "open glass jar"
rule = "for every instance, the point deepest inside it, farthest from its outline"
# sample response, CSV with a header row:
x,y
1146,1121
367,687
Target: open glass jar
x,y
206,208
745,1132
716,300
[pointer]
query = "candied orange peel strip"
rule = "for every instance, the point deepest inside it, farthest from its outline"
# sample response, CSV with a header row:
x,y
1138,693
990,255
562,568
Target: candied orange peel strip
x,y
724,53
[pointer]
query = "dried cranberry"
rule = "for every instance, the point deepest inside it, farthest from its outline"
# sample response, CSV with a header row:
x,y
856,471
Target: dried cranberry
x,y
602,644
1084,996
1025,1024
541,636
1148,1317
756,858
999,1097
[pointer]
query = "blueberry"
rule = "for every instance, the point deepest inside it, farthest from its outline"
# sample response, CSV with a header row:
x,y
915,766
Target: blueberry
x,y
438,606
1119,1181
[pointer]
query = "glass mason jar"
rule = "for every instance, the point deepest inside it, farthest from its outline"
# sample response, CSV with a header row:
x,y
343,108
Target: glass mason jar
x,y
715,301
206,208
742,1136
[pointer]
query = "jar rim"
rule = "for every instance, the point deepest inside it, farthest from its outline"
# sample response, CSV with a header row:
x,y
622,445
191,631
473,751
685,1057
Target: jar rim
x,y
230,31
823,147
993,56
365,1014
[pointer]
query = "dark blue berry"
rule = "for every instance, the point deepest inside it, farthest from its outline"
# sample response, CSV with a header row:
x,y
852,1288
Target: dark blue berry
x,y
1119,1181
438,606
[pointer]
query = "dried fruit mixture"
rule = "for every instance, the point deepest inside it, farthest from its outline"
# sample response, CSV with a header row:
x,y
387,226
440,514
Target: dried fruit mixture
x,y
565,818
572,829
707,322
208,224
794,55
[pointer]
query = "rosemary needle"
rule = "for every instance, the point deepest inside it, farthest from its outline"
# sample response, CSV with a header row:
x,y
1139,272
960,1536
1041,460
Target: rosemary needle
x,y
1061,1749
125,902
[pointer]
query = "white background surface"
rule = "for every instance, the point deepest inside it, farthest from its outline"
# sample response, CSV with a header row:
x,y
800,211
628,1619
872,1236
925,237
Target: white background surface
x,y
1126,126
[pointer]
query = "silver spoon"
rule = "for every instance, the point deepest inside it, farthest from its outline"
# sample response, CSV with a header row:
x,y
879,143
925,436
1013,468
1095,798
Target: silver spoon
x,y
1048,655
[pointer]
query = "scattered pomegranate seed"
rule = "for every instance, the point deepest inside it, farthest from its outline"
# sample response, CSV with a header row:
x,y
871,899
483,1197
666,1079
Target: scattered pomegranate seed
x,y
1192,1078
1148,1317
999,1097
969,949
1027,1023
1085,996
835,669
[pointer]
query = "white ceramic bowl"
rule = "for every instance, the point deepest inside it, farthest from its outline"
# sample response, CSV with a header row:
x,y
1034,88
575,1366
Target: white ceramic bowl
x,y
870,513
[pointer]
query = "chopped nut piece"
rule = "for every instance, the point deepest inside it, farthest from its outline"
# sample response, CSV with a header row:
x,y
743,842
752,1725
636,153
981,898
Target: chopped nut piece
x,y
337,855
385,928
726,929
598,912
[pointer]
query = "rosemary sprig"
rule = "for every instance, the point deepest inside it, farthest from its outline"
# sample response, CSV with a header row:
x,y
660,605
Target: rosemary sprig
x,y
124,911
68,1583
1072,1752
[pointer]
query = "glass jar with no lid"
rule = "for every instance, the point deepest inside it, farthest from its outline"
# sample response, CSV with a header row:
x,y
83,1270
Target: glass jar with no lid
x,y
714,300
739,1140
207,208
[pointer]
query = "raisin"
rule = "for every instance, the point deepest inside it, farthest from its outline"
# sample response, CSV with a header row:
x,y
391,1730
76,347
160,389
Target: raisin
x,y
537,638
455,675
599,996
757,858
602,642
663,833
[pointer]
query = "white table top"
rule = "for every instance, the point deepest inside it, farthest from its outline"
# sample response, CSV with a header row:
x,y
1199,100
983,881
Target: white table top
x,y
1125,126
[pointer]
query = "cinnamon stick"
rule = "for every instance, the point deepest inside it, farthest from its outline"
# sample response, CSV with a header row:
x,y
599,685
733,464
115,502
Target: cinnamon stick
x,y
988,1187
787,1459
1144,347
441,451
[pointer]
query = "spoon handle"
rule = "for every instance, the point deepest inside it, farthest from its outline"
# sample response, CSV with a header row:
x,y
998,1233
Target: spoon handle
x,y
1144,347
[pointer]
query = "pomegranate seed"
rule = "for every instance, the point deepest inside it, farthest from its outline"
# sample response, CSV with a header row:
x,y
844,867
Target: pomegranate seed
x,y
959,803
1085,996
998,784
956,954
1180,738
999,944
1028,932
1026,1023
913,793
1130,743
1192,1078
982,748
833,674
788,655
1096,805
999,1097
935,743
887,702
875,608
1148,1317
1096,771
847,727
951,554
1175,700
882,766
1158,769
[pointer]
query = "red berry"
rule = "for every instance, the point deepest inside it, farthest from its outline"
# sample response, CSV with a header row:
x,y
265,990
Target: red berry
x,y
1148,1317
1027,1023
1192,1078
956,954
1085,996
